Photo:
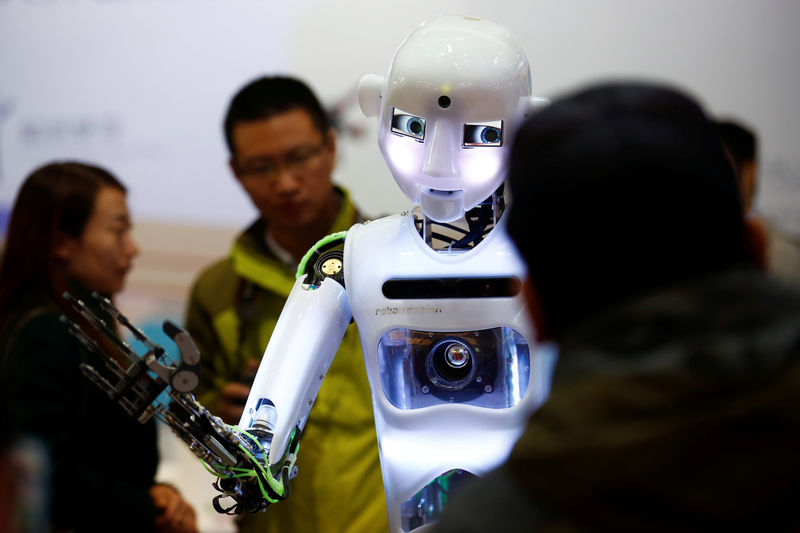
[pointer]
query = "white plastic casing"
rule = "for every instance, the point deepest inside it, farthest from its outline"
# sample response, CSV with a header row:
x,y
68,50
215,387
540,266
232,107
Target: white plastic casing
x,y
300,351
483,71
418,445
484,75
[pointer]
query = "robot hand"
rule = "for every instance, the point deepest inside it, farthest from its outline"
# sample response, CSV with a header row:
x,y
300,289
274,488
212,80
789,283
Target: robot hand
x,y
154,385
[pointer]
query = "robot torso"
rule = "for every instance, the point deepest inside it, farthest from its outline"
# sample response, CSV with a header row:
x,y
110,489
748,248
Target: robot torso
x,y
446,338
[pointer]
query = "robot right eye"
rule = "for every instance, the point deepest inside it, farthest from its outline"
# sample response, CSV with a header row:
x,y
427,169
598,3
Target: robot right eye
x,y
408,124
483,134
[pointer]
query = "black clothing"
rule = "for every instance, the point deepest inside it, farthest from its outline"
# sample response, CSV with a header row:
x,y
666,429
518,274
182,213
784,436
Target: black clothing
x,y
102,461
679,411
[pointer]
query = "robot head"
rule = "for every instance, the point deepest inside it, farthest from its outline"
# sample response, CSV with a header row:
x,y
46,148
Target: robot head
x,y
456,89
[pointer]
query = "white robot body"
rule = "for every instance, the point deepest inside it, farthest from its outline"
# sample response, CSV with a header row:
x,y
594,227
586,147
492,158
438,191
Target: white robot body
x,y
296,360
446,336
427,424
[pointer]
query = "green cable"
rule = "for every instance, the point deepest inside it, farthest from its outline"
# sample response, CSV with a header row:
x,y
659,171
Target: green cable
x,y
258,479
277,487
274,484
301,268
209,469
214,472
244,472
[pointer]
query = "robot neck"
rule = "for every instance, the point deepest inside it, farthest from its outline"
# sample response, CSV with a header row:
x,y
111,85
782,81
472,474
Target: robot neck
x,y
466,232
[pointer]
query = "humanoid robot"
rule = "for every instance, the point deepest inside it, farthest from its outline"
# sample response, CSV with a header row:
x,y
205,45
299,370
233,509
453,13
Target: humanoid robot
x,y
445,333
435,292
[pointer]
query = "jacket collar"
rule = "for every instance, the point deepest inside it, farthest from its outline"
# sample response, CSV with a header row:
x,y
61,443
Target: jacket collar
x,y
254,261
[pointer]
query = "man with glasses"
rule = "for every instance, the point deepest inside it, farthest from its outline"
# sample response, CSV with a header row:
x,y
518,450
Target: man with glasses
x,y
282,152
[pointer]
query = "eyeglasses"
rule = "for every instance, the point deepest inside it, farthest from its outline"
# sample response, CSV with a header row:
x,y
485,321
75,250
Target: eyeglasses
x,y
295,160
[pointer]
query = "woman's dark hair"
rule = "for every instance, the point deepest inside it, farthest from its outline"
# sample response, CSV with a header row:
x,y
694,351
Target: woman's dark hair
x,y
55,201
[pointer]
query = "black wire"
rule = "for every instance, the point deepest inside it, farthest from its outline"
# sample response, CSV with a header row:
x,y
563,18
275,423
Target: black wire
x,y
479,219
441,237
451,227
476,225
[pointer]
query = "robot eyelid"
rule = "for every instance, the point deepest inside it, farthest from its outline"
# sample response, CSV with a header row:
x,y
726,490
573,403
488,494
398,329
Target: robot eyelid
x,y
408,125
483,134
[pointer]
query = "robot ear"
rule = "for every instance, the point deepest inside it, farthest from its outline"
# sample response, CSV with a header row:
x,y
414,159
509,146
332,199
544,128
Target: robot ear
x,y
369,94
530,104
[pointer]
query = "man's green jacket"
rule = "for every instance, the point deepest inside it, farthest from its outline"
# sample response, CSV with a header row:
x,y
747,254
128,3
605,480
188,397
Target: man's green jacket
x,y
234,306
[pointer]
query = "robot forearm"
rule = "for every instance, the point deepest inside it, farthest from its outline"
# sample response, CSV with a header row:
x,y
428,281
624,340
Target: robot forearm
x,y
301,348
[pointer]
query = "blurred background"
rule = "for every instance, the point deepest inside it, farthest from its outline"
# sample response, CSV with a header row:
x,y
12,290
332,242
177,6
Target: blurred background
x,y
141,86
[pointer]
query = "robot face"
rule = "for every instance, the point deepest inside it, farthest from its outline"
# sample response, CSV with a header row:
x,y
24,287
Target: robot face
x,y
456,89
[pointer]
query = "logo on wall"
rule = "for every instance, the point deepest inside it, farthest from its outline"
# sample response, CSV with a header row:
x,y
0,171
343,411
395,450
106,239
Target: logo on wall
x,y
43,132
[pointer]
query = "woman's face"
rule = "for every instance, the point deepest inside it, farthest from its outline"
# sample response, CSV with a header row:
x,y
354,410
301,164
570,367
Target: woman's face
x,y
102,256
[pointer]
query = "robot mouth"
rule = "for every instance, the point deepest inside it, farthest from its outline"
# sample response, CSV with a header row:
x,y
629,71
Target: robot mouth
x,y
441,205
444,194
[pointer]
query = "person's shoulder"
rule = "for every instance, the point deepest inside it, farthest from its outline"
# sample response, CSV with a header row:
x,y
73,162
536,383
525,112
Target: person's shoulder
x,y
37,334
36,320
214,279
223,266
493,502
212,271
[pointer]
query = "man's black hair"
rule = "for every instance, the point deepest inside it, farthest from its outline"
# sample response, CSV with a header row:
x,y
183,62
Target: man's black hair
x,y
617,190
268,96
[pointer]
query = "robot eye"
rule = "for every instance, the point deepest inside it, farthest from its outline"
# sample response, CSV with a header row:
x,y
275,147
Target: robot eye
x,y
408,124
484,134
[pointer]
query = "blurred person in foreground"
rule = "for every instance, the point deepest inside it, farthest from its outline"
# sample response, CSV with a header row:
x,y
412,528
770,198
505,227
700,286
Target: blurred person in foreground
x,y
283,153
70,230
675,404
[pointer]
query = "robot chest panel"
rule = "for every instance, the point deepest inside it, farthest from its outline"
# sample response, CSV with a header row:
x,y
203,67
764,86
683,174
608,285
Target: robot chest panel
x,y
395,280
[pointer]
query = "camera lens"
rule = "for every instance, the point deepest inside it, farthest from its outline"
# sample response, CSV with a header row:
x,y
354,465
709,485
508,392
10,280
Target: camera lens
x,y
451,365
456,355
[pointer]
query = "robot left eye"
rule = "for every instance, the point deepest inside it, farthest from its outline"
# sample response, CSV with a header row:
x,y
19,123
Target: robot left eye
x,y
484,134
408,124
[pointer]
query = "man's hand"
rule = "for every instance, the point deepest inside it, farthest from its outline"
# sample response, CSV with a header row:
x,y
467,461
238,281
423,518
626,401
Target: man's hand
x,y
230,404
173,513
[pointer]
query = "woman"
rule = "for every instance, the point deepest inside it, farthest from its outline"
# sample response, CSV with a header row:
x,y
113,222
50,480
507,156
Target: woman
x,y
70,230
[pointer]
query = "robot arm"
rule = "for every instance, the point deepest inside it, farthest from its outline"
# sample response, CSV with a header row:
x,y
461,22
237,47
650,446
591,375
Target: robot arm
x,y
301,348
153,384
298,356
254,461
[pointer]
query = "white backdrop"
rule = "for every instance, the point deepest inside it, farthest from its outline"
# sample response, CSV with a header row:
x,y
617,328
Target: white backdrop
x,y
140,86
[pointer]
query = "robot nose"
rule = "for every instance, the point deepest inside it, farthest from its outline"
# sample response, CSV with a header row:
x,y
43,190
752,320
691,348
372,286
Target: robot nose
x,y
443,148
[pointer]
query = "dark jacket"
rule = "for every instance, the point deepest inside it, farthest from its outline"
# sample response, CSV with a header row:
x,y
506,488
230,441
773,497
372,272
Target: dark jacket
x,y
679,411
102,462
